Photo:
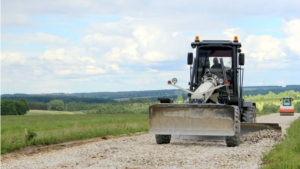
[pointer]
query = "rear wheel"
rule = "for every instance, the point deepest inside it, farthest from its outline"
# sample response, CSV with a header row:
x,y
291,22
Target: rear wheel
x,y
249,115
163,139
234,140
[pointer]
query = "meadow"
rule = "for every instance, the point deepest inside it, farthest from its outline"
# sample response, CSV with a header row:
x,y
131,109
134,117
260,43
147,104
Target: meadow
x,y
286,154
44,128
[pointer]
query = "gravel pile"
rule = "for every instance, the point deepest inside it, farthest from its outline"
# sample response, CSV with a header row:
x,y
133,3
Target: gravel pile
x,y
143,152
259,135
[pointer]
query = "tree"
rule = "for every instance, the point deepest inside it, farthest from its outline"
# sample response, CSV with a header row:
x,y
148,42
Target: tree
x,y
24,102
179,98
38,106
271,95
8,107
21,108
57,105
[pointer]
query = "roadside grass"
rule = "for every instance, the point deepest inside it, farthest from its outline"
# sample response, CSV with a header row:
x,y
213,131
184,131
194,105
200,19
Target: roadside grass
x,y
53,129
286,154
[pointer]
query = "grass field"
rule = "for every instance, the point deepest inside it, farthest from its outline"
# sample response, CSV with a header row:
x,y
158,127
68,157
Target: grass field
x,y
287,153
54,128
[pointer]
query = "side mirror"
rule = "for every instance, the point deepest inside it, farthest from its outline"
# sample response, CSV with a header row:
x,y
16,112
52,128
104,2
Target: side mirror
x,y
241,59
190,58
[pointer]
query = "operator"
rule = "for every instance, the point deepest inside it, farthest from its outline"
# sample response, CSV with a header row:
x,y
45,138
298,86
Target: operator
x,y
216,64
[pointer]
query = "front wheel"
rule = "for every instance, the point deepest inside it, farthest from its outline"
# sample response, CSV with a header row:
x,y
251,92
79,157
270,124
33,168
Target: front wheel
x,y
249,115
163,139
234,140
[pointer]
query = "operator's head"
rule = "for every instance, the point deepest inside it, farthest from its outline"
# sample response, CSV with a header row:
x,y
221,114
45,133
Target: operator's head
x,y
216,61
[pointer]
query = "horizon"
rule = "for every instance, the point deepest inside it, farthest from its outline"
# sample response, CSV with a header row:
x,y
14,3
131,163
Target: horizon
x,y
87,46
129,91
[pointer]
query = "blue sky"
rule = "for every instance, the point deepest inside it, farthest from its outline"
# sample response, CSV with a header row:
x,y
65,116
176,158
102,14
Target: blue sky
x,y
93,45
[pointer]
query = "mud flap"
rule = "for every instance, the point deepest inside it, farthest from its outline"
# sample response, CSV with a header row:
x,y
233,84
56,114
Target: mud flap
x,y
192,119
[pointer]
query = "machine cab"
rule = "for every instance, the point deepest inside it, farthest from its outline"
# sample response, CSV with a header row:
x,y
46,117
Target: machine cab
x,y
286,101
211,55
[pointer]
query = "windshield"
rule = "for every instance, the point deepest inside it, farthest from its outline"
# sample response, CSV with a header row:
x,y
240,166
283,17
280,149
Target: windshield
x,y
211,60
286,102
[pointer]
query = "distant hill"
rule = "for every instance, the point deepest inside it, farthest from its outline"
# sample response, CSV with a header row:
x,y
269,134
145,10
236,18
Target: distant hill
x,y
104,97
254,90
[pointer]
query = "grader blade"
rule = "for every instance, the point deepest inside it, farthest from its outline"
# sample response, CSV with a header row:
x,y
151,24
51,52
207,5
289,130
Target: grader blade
x,y
192,119
253,127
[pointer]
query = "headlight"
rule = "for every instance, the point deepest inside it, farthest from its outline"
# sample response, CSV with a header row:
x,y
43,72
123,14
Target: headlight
x,y
174,80
221,81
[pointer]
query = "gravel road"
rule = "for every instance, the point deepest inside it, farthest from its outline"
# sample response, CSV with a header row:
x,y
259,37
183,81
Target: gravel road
x,y
141,151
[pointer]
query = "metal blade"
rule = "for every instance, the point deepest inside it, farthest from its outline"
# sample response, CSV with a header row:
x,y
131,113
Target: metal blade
x,y
253,127
191,119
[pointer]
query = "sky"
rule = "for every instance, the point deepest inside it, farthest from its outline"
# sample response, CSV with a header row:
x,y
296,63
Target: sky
x,y
74,46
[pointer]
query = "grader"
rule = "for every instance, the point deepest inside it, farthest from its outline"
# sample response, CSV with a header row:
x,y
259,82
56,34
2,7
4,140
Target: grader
x,y
215,107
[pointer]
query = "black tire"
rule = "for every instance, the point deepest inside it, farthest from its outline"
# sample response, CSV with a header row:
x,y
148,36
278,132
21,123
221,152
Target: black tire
x,y
163,139
249,115
233,141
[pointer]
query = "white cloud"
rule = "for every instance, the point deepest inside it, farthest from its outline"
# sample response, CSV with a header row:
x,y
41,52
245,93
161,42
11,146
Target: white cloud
x,y
63,72
94,70
38,38
86,59
57,55
114,67
12,58
231,32
264,52
291,29
114,55
154,56
152,70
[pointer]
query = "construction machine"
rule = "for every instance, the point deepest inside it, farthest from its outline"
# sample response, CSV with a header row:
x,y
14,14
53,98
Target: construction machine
x,y
286,109
215,109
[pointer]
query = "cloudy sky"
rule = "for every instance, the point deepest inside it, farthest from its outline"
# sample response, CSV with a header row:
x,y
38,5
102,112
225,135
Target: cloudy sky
x,y
76,46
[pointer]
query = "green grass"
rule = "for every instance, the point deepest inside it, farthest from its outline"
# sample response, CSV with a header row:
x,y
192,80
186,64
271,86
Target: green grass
x,y
52,129
285,155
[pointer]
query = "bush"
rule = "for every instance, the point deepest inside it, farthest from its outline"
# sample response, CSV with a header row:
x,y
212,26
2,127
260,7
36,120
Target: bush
x,y
270,108
297,107
30,135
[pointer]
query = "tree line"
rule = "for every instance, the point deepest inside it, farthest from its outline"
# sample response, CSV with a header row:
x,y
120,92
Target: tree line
x,y
105,97
272,95
49,98
10,107
126,107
